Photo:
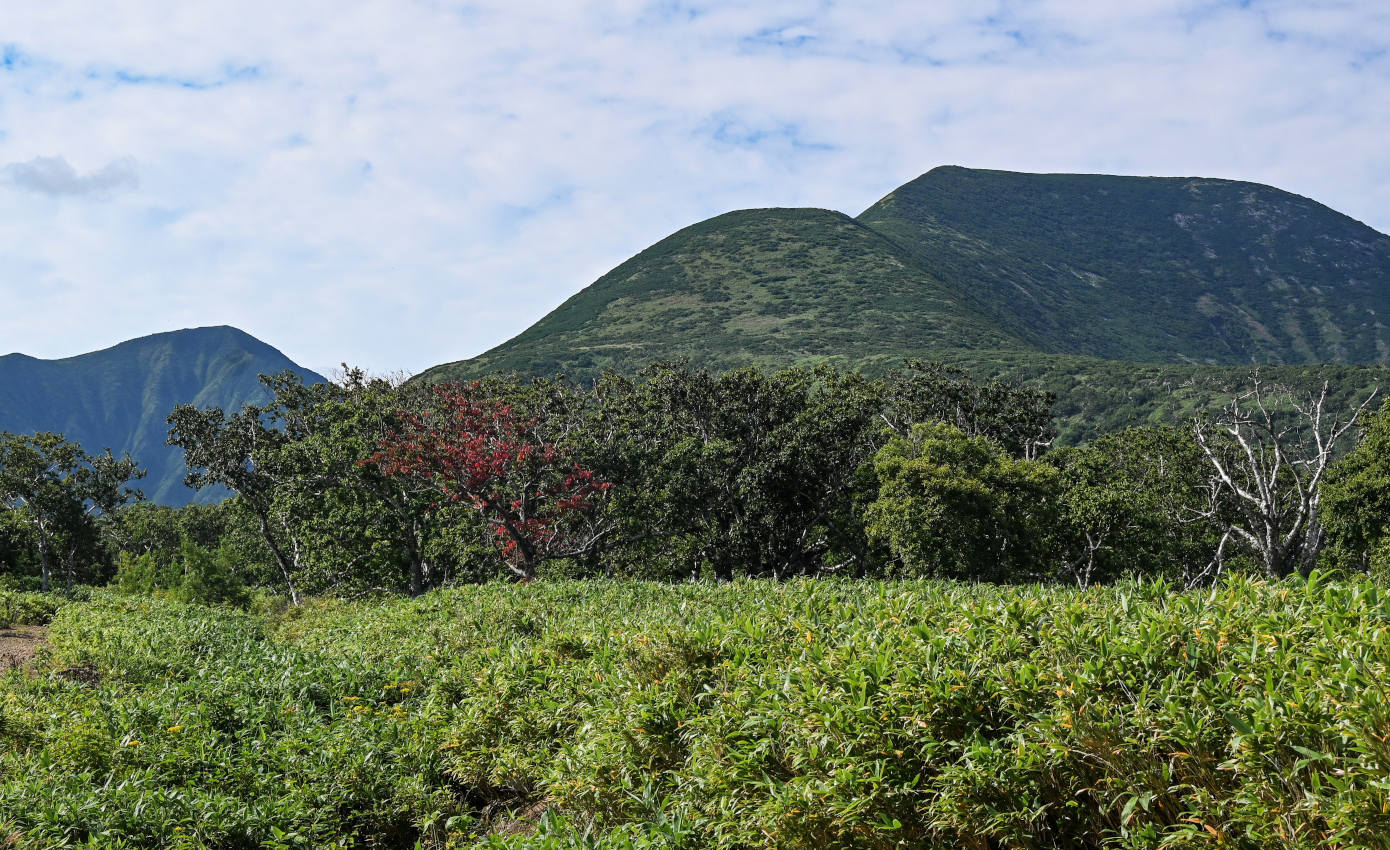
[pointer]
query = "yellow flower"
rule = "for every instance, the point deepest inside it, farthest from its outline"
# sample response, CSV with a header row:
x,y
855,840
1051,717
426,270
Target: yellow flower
x,y
177,728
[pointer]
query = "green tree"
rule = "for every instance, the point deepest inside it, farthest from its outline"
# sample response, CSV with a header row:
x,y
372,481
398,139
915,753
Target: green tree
x,y
1355,508
740,473
301,467
1017,418
243,451
954,506
1124,507
56,489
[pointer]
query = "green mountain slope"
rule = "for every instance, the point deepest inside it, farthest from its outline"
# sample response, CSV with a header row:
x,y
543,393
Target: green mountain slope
x,y
754,286
1150,269
1136,299
119,397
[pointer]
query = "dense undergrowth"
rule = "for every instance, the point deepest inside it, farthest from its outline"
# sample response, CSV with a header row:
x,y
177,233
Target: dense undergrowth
x,y
19,608
749,714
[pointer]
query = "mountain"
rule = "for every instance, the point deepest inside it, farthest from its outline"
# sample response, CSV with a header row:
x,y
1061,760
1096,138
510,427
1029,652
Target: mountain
x,y
1062,280
1141,269
1150,269
119,397
756,286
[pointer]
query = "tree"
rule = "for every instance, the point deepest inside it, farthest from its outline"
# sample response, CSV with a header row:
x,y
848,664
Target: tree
x,y
954,506
361,528
743,472
329,519
1017,418
1268,452
473,450
1356,498
1123,502
241,452
57,490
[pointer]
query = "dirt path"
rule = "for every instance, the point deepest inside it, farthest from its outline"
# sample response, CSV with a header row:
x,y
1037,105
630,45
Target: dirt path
x,y
19,644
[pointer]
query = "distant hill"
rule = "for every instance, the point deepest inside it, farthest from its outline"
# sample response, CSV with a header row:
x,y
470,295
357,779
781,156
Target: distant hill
x,y
1143,269
1056,279
755,286
119,397
1151,269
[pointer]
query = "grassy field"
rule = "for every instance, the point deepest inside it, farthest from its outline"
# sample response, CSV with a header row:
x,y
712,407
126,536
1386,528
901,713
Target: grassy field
x,y
809,714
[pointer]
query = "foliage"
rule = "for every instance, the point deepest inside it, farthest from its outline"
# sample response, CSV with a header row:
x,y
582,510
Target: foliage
x,y
751,714
741,473
953,506
210,577
18,608
18,558
1098,397
56,489
326,519
1127,504
475,450
1356,499
146,574
197,575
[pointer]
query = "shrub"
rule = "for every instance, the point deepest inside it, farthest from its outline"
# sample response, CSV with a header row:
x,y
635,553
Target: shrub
x,y
210,577
19,608
197,576
752,714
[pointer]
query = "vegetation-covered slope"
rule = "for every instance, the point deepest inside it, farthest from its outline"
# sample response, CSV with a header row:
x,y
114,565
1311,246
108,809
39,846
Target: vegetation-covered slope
x,y
119,397
1065,281
1150,269
1096,396
770,286
743,715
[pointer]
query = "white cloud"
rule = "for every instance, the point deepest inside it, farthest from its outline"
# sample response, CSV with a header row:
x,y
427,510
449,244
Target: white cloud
x,y
401,184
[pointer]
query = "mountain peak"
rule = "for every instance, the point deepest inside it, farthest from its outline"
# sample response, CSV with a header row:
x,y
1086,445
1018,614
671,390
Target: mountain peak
x,y
1147,269
119,396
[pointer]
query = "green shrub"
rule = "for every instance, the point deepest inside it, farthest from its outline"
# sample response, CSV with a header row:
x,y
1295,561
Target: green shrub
x,y
144,574
27,609
808,714
210,578
197,576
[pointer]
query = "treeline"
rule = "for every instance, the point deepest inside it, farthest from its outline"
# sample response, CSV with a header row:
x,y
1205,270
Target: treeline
x,y
681,474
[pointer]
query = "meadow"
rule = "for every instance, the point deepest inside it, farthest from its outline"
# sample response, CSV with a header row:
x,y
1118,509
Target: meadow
x,y
814,713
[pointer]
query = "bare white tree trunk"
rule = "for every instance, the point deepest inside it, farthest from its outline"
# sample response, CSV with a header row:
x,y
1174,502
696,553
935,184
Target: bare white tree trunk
x,y
1268,453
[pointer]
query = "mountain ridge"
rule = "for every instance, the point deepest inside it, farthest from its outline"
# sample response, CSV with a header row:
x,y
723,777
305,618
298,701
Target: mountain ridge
x,y
1141,269
118,397
1214,263
1058,280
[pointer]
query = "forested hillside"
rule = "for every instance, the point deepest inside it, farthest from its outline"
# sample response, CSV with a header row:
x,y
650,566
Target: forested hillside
x,y
1150,269
1079,284
119,397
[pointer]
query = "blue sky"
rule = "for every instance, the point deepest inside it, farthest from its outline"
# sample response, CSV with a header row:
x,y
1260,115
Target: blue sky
x,y
398,184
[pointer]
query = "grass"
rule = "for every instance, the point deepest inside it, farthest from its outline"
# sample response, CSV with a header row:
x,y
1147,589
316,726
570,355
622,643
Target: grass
x,y
753,714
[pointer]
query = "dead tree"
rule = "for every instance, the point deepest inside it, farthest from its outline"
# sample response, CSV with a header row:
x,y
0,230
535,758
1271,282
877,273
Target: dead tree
x,y
1268,452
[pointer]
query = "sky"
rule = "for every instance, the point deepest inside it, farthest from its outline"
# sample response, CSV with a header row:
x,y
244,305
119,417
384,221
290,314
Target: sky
x,y
400,184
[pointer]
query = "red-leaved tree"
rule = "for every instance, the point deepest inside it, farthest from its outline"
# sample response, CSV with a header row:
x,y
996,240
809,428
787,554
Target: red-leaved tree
x,y
474,450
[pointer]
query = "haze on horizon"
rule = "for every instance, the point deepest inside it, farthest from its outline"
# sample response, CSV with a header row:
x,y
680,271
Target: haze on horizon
x,y
400,185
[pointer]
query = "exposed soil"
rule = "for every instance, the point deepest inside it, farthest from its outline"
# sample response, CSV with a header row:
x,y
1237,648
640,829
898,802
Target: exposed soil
x,y
19,645
522,823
